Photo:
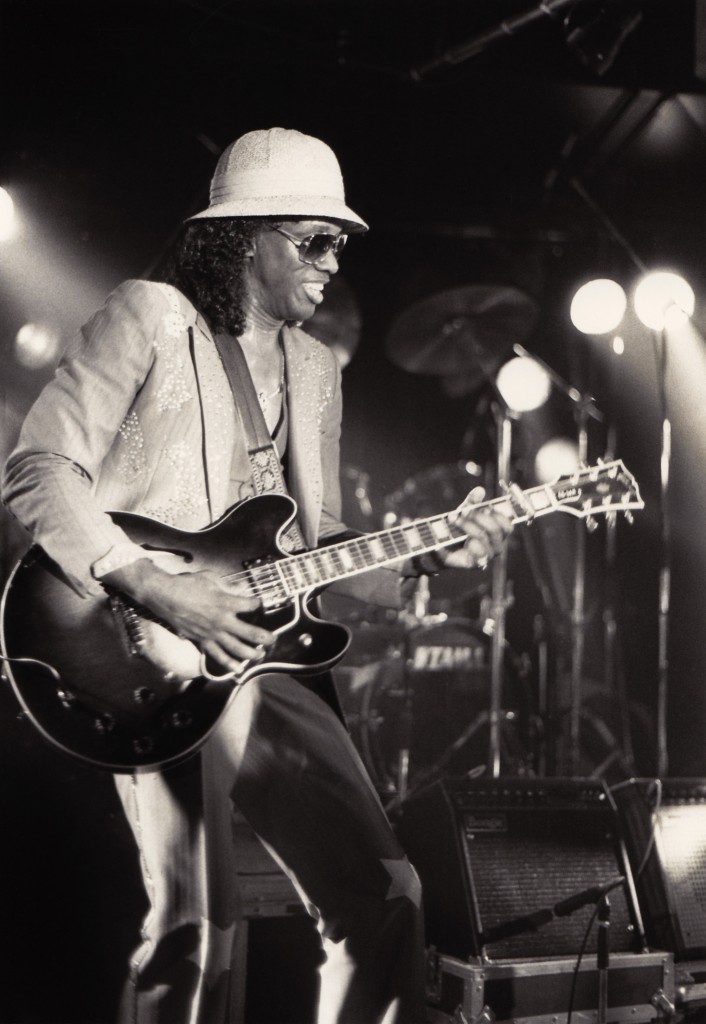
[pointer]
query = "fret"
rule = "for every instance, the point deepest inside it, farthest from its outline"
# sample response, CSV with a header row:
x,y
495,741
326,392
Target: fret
x,y
300,567
399,541
541,499
388,543
427,534
377,548
356,548
297,573
338,560
289,574
413,537
345,558
440,529
308,565
327,563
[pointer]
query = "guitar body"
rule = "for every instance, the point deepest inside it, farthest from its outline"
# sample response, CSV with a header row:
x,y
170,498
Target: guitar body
x,y
107,684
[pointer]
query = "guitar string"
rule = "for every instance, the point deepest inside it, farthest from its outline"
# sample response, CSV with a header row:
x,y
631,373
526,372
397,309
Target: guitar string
x,y
257,577
250,575
318,554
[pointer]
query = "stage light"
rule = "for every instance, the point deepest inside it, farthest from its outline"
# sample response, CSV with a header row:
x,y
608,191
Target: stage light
x,y
8,219
524,384
598,306
556,458
663,299
36,346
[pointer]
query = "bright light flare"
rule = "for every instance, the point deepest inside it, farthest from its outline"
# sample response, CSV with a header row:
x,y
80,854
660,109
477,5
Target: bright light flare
x,y
664,299
36,346
8,219
557,457
524,384
598,306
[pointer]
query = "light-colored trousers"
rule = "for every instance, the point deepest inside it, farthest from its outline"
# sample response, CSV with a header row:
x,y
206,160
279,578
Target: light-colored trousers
x,y
284,758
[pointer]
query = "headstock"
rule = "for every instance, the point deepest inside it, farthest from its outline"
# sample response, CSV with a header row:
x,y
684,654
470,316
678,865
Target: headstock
x,y
604,489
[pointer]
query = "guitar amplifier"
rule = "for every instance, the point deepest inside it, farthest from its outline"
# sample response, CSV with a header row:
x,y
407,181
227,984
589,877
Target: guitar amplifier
x,y
664,823
496,856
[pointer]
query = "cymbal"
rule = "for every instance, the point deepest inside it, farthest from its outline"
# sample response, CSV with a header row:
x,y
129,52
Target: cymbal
x,y
434,490
466,331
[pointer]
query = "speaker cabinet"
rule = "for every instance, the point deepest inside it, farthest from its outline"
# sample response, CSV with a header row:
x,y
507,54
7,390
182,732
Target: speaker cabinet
x,y
496,856
664,824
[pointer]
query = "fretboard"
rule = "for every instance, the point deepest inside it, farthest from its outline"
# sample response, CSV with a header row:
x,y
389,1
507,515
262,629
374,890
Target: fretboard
x,y
277,582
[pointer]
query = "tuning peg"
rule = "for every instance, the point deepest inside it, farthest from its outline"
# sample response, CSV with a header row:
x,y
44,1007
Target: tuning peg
x,y
591,524
629,516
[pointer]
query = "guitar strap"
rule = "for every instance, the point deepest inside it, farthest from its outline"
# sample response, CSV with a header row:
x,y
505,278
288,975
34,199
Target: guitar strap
x,y
267,474
264,460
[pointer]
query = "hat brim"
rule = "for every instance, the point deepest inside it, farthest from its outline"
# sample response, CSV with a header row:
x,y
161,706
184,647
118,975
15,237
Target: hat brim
x,y
287,206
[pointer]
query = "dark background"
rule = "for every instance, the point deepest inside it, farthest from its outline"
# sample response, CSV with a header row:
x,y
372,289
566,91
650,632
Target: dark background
x,y
521,164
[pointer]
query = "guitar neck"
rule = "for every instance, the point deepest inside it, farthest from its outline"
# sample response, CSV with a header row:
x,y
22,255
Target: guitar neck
x,y
298,574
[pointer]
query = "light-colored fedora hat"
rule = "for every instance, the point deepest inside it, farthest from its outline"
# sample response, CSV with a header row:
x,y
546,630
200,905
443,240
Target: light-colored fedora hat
x,y
279,172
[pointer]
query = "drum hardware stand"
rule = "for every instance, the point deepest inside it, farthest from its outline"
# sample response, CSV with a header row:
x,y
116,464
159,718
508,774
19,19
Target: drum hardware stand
x,y
501,593
501,600
584,408
612,665
584,403
419,615
665,558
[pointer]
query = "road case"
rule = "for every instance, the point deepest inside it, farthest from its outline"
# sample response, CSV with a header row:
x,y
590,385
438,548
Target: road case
x,y
640,987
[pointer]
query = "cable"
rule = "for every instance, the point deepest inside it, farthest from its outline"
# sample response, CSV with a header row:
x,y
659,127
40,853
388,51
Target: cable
x,y
582,950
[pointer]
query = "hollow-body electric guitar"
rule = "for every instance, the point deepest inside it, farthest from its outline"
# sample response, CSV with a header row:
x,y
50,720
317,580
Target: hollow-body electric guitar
x,y
106,682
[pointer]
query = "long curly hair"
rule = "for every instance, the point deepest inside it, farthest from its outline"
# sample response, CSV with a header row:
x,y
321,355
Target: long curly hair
x,y
206,263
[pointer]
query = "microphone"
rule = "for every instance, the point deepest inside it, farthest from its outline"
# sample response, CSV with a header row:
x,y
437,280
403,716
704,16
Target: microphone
x,y
517,926
582,899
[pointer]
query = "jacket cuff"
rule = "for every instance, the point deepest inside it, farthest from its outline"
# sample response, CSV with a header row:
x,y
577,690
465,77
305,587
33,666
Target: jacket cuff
x,y
119,556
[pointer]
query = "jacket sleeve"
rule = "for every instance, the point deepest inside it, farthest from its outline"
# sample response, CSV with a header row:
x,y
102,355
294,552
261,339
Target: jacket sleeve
x,y
48,479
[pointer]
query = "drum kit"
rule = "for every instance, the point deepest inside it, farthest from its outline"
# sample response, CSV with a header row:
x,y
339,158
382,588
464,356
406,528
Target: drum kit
x,y
436,688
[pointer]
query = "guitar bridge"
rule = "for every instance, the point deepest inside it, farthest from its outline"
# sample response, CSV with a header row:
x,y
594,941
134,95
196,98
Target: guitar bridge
x,y
254,563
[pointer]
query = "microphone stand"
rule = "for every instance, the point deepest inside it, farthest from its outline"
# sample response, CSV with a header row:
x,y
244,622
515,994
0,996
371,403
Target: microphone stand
x,y
479,42
603,957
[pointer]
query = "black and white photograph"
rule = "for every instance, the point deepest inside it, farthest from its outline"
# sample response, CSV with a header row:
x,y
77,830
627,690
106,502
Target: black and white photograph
x,y
352,504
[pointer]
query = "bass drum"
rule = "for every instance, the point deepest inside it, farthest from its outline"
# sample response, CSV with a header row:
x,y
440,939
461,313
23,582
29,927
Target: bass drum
x,y
424,713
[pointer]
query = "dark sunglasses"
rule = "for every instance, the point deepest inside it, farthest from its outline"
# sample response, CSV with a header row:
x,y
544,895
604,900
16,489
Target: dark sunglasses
x,y
315,248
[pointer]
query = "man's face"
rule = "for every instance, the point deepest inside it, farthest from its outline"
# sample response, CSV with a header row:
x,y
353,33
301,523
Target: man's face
x,y
282,285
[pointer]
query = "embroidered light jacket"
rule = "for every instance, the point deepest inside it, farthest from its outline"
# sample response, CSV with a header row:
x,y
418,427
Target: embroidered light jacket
x,y
140,417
